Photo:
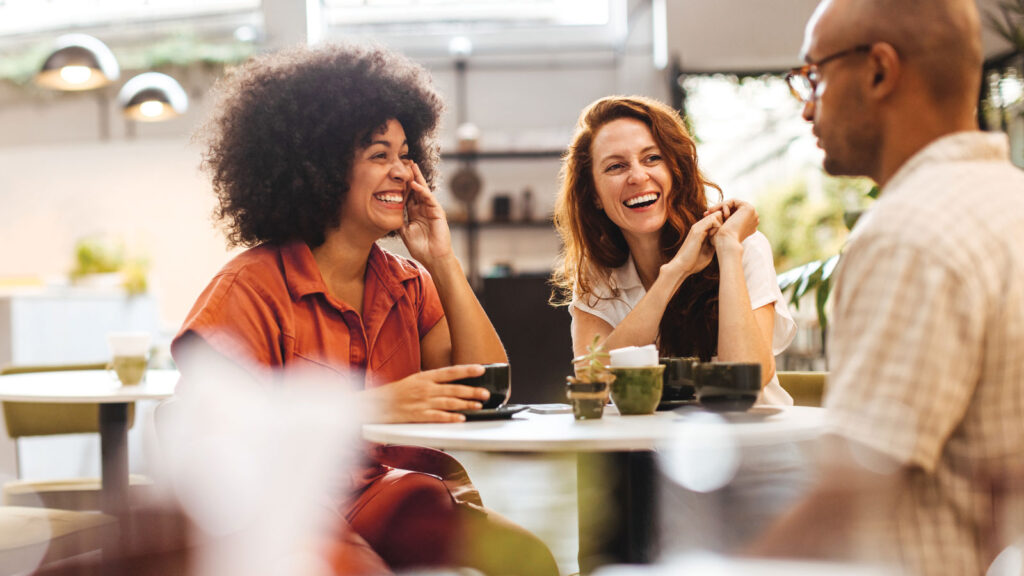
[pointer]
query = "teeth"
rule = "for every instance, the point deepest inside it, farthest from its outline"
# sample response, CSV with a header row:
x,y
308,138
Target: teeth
x,y
390,198
640,200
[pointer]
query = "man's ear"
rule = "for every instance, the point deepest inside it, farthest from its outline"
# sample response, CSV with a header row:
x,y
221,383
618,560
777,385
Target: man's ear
x,y
885,68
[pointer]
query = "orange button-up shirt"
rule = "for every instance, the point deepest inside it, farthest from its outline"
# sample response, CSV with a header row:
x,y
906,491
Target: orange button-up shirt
x,y
270,306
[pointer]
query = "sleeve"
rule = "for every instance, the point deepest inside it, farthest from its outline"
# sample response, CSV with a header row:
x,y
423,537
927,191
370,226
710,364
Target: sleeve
x,y
237,320
763,288
610,309
905,350
429,311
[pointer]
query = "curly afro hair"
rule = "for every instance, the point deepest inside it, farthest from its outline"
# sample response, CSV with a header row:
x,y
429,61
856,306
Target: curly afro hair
x,y
286,129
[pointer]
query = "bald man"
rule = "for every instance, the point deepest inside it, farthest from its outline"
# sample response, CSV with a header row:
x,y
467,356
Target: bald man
x,y
926,352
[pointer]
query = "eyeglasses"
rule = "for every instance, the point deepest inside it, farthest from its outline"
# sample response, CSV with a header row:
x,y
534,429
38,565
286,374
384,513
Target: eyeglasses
x,y
803,81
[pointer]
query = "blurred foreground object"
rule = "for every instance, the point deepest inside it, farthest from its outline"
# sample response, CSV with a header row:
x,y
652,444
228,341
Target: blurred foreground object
x,y
255,468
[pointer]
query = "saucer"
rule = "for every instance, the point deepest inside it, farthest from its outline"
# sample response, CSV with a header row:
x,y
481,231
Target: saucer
x,y
754,414
673,404
499,413
727,403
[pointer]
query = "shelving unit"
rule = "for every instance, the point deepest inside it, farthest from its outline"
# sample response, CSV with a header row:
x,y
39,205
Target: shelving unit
x,y
472,227
502,225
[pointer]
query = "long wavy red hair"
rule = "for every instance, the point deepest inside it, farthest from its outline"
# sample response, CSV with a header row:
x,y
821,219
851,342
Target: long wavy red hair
x,y
593,245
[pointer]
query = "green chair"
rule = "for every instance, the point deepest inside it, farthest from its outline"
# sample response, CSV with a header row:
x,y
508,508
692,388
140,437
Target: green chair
x,y
26,419
806,388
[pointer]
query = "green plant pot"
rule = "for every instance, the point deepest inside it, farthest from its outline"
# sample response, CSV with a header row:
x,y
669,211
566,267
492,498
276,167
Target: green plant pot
x,y
637,390
587,398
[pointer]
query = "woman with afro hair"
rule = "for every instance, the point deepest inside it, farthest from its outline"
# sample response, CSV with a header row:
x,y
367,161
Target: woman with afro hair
x,y
315,154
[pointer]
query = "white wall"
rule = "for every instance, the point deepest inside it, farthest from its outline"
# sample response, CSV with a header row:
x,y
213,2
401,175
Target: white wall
x,y
148,193
59,181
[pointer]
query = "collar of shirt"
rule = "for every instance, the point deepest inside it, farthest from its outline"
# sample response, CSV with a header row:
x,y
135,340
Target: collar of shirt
x,y
303,277
973,146
626,277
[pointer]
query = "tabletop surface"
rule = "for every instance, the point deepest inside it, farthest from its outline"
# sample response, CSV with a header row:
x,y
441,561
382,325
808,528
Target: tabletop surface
x,y
530,432
80,386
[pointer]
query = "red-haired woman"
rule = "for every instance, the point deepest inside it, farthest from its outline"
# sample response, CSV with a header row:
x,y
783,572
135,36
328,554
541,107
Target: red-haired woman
x,y
646,260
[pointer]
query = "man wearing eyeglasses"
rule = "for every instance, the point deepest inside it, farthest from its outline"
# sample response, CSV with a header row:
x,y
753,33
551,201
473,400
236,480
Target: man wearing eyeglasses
x,y
925,453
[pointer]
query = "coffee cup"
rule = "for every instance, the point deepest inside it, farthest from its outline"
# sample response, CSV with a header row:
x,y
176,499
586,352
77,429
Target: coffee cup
x,y
727,386
678,379
496,379
129,352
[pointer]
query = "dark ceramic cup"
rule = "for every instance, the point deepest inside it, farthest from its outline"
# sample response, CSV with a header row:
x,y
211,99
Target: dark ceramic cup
x,y
497,379
678,379
727,386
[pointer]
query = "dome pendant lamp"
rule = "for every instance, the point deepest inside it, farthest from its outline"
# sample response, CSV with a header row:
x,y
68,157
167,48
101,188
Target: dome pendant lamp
x,y
79,62
152,97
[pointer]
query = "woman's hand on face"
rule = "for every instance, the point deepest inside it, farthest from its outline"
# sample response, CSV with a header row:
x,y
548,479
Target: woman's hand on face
x,y
740,220
425,232
427,397
696,252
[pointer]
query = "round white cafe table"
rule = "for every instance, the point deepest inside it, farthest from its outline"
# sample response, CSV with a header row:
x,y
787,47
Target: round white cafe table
x,y
100,387
619,445
530,432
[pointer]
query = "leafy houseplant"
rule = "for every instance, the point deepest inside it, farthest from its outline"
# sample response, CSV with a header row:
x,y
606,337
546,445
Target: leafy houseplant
x,y
96,257
1009,22
817,275
93,256
589,367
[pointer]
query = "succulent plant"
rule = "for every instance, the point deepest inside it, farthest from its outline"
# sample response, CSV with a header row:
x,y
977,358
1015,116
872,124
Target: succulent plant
x,y
590,367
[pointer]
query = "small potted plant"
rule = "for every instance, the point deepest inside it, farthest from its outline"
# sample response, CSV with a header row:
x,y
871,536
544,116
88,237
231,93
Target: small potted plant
x,y
102,264
588,389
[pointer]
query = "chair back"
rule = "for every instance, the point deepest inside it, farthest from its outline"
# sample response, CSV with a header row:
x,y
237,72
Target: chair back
x,y
806,388
53,418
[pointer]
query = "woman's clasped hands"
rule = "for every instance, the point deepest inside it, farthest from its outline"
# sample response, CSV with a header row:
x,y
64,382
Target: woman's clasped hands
x,y
724,225
739,221
697,251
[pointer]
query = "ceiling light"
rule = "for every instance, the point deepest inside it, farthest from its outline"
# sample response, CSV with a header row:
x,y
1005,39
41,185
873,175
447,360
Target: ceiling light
x,y
79,62
152,97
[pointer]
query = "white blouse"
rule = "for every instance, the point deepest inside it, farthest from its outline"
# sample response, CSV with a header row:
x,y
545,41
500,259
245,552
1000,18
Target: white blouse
x,y
762,286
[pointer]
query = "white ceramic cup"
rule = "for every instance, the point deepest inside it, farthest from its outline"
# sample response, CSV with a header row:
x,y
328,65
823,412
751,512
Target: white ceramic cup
x,y
129,353
634,356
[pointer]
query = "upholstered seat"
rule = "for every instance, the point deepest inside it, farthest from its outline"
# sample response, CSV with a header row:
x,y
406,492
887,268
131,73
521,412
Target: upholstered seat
x,y
806,388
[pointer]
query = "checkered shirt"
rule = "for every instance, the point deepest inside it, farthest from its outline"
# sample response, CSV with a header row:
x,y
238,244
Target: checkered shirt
x,y
926,350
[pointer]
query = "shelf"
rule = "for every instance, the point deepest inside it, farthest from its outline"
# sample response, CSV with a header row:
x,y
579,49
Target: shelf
x,y
511,225
504,155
